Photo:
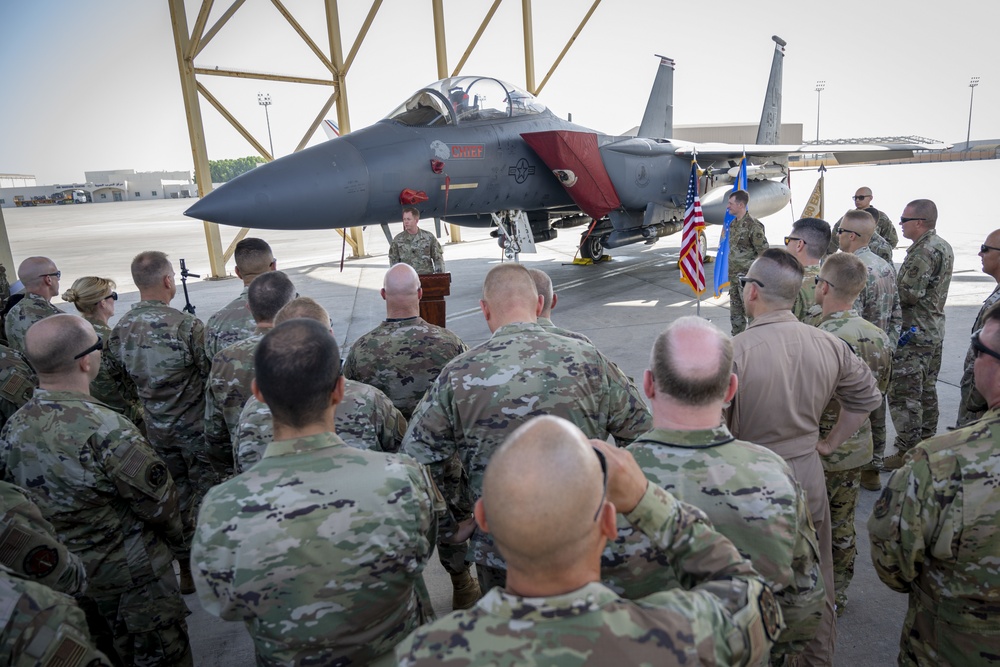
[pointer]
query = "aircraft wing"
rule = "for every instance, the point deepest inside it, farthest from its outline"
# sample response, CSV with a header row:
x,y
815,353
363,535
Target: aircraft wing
x,y
851,152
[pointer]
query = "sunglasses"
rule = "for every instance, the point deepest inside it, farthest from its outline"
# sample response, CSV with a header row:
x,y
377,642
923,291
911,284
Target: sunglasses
x,y
847,231
986,248
903,221
819,280
604,471
99,345
860,197
57,274
978,347
789,239
113,296
744,280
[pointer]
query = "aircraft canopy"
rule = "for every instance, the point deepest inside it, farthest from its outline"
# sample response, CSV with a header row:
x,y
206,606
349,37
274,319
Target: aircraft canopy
x,y
465,99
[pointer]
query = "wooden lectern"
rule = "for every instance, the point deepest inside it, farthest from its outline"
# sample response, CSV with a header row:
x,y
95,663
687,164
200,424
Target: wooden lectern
x,y
436,287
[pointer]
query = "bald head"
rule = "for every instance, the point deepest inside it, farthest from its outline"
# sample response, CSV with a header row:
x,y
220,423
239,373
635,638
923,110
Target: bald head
x,y
37,276
543,285
540,521
51,344
509,295
780,275
692,361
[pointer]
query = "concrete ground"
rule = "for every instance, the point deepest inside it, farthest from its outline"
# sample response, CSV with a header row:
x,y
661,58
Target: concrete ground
x,y
621,305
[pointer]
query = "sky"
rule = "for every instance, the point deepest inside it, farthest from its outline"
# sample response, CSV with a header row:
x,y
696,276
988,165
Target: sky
x,y
94,85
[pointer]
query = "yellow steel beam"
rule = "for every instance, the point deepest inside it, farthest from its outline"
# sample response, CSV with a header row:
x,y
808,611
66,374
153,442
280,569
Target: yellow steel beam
x,y
343,111
440,45
178,20
228,14
235,123
362,33
303,34
529,47
572,39
475,39
319,119
6,255
350,240
199,27
260,75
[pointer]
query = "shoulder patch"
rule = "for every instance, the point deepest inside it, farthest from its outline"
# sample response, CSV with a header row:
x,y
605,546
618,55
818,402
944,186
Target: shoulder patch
x,y
69,653
769,614
882,504
12,543
156,475
133,461
41,561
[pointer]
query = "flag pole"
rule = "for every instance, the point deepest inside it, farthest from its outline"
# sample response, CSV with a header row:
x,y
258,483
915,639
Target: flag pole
x,y
697,242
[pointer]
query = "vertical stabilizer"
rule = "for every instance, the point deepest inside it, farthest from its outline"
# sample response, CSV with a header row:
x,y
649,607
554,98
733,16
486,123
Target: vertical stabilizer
x,y
770,116
658,121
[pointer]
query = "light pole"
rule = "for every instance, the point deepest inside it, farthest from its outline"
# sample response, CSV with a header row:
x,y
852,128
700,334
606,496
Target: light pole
x,y
820,85
264,99
972,93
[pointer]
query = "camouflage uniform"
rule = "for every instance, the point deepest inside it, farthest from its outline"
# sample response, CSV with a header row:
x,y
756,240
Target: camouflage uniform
x,y
746,242
39,626
547,324
26,312
923,282
17,382
421,251
227,391
843,467
805,302
113,386
881,248
365,419
4,287
113,503
230,324
935,535
884,230
163,350
319,550
973,405
402,358
728,617
751,497
481,396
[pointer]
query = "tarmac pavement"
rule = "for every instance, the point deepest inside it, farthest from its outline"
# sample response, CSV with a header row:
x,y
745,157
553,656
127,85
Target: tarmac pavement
x,y
621,305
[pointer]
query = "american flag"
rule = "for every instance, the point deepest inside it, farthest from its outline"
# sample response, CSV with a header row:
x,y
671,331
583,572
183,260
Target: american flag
x,y
692,268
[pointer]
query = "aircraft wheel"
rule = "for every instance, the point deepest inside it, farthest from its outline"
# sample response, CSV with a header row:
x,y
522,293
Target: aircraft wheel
x,y
702,244
592,248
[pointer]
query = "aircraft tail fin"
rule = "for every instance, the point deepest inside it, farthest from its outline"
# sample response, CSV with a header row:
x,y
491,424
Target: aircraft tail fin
x,y
331,129
658,120
770,116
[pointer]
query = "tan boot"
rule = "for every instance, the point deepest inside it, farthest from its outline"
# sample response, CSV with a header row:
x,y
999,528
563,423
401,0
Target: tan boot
x,y
187,582
870,480
466,590
894,462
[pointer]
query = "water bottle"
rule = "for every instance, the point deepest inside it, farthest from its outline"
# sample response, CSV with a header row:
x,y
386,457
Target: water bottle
x,y
907,335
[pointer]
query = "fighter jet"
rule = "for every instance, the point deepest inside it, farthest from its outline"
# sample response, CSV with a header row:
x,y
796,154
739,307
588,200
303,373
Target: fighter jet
x,y
479,152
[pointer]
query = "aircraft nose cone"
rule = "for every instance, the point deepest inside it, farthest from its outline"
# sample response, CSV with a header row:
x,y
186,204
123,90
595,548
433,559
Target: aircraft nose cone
x,y
321,187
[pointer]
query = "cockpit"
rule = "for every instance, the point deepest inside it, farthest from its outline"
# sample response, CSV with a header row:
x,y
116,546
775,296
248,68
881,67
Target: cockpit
x,y
465,99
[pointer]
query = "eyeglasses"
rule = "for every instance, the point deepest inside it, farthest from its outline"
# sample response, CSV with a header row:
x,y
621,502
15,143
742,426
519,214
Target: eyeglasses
x,y
113,296
819,280
978,347
789,239
99,345
57,274
986,248
855,197
903,221
744,280
847,231
604,471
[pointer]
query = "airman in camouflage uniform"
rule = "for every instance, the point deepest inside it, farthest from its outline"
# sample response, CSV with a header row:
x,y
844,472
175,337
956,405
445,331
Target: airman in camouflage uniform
x,y
807,242
841,281
724,614
402,356
549,299
935,534
163,350
39,626
4,287
41,282
972,405
109,497
747,491
520,372
415,246
17,382
324,564
923,281
228,385
746,242
884,229
234,322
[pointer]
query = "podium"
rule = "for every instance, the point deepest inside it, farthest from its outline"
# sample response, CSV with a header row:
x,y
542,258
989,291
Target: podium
x,y
436,287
